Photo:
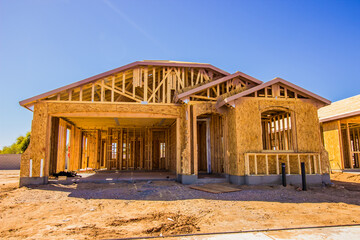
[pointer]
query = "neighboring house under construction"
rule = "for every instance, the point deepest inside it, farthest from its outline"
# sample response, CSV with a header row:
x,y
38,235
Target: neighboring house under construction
x,y
340,126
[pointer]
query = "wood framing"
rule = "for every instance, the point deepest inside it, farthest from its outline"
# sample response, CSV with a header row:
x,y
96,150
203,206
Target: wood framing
x,y
186,118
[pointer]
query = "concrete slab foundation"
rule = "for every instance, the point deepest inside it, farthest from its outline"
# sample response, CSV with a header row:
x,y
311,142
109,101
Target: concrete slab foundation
x,y
295,179
186,179
25,181
238,180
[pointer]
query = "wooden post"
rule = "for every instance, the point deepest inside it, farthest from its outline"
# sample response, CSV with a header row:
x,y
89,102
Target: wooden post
x,y
123,82
195,155
146,84
247,164
255,163
81,94
320,171
315,164
309,162
288,162
349,145
127,148
112,88
151,148
277,165
153,84
192,76
121,149
267,164
92,92
102,91
288,131
299,162
178,147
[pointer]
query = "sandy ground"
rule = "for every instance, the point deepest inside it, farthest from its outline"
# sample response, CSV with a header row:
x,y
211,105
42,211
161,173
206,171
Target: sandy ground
x,y
116,210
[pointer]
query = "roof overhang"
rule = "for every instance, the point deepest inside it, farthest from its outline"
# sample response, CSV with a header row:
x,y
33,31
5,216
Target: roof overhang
x,y
340,116
267,84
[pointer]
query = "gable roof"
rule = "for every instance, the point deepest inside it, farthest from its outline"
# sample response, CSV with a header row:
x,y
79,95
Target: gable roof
x,y
267,84
202,87
125,67
344,108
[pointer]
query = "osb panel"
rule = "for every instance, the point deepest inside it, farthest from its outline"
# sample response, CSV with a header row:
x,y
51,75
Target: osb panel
x,y
249,134
204,108
307,127
332,143
248,130
37,147
185,142
75,149
232,147
24,163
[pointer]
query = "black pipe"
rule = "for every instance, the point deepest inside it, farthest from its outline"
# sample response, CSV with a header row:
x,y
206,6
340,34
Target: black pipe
x,y
303,176
283,173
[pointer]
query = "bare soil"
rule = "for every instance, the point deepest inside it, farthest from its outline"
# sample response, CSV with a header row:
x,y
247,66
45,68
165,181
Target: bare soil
x,y
117,210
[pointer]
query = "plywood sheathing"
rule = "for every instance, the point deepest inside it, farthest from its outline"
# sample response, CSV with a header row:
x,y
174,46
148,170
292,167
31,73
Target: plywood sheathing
x,y
248,129
38,144
75,148
332,143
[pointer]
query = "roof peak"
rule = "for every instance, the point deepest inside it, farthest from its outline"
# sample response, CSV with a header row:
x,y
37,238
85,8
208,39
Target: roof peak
x,y
172,61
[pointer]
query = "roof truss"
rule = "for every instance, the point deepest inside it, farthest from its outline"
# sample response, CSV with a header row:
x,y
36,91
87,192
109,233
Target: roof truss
x,y
276,88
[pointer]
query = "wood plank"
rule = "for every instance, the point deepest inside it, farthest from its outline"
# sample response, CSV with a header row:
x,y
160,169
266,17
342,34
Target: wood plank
x,y
255,164
81,94
102,94
123,82
153,84
112,86
288,162
146,84
216,188
349,145
267,164
195,156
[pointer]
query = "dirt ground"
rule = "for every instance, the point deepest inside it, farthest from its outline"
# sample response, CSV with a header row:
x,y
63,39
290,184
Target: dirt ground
x,y
117,210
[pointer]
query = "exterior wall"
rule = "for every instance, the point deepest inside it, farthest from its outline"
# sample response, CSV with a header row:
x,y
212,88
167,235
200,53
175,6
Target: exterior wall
x,y
331,135
38,144
242,126
247,126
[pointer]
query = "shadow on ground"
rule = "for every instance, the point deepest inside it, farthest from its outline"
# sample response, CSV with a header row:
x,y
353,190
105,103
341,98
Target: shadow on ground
x,y
171,191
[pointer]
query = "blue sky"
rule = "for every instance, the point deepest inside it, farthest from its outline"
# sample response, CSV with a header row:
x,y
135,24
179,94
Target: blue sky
x,y
48,44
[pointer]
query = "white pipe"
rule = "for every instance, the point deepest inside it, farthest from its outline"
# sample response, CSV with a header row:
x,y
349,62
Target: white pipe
x,y
41,167
30,168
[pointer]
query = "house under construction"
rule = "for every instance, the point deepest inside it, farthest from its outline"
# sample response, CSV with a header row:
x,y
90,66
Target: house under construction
x,y
181,117
340,126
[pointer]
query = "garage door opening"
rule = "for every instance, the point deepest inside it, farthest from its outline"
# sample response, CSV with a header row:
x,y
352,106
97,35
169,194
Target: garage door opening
x,y
112,144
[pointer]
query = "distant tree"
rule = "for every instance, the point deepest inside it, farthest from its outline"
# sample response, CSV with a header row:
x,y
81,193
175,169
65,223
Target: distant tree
x,y
23,142
19,146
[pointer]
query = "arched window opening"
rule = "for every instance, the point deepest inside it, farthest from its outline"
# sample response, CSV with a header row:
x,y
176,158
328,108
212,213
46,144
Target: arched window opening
x,y
277,130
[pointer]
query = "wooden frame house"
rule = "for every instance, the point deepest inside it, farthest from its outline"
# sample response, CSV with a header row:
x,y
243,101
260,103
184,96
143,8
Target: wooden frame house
x,y
186,118
340,127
